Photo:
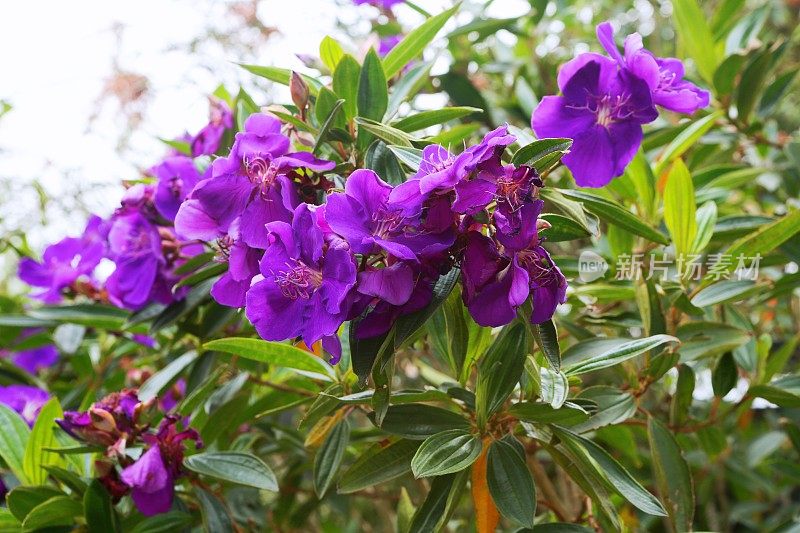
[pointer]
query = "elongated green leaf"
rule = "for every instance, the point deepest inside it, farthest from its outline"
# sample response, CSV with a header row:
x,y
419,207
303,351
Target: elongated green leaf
x,y
411,157
620,478
685,140
765,239
562,229
388,134
696,36
672,475
42,437
420,421
378,464
553,387
544,413
724,291
163,523
500,370
706,217
328,124
614,213
446,453
329,457
8,521
101,517
330,52
532,153
282,76
510,483
373,95
407,86
98,316
415,42
57,511
680,208
236,467
14,434
620,353
275,353
426,119
158,381
429,514
546,337
345,84
22,500
752,83
215,515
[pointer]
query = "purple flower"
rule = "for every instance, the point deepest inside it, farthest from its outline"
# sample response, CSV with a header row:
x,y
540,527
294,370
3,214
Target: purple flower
x,y
35,359
152,477
363,216
499,276
387,43
25,400
242,261
664,76
253,183
64,262
602,108
306,285
112,419
440,171
207,141
177,176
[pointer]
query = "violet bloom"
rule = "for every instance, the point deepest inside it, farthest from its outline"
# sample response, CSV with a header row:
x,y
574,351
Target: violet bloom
x,y
306,285
25,400
230,289
108,421
664,75
177,176
602,109
253,183
440,171
363,216
64,262
498,277
152,477
207,141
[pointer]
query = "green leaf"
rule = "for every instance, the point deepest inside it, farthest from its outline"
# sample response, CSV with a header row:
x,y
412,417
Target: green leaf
x,y
215,515
510,484
500,370
562,229
446,453
616,474
546,337
282,76
415,42
752,83
42,436
328,124
776,394
14,434
672,475
411,157
426,119
22,500
695,35
98,316
534,152
419,421
275,353
544,413
8,523
707,339
775,93
686,139
680,208
163,523
158,381
330,52
57,511
725,375
388,134
621,350
408,85
706,218
345,84
378,464
724,291
101,517
429,514
235,467
373,95
202,275
329,457
614,213
766,238
553,387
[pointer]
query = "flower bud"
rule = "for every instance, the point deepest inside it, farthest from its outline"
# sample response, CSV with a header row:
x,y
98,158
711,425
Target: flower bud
x,y
299,91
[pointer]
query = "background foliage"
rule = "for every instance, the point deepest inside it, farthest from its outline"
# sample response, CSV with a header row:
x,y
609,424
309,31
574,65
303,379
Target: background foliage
x,y
660,404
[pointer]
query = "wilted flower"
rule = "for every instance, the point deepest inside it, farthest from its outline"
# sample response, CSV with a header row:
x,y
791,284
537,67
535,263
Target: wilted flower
x,y
307,280
112,421
25,400
64,262
602,109
664,75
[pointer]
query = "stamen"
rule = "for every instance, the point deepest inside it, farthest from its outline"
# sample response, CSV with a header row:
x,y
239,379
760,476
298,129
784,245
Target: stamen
x,y
298,281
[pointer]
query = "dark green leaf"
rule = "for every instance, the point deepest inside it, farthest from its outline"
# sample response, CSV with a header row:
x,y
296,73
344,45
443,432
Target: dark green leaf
x,y
22,500
500,370
373,95
544,413
510,484
329,457
236,467
445,453
378,464
14,434
426,119
427,517
419,421
532,153
101,517
159,381
672,475
163,523
57,511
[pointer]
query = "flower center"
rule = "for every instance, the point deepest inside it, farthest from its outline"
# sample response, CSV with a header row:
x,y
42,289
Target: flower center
x,y
260,170
175,186
387,222
298,281
665,80
537,267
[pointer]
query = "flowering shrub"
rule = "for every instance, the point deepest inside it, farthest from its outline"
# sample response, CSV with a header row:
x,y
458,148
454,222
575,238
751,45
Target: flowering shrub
x,y
590,322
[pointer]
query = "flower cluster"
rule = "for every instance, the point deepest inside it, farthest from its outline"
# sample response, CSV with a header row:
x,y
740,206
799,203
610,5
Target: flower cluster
x,y
605,101
120,422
